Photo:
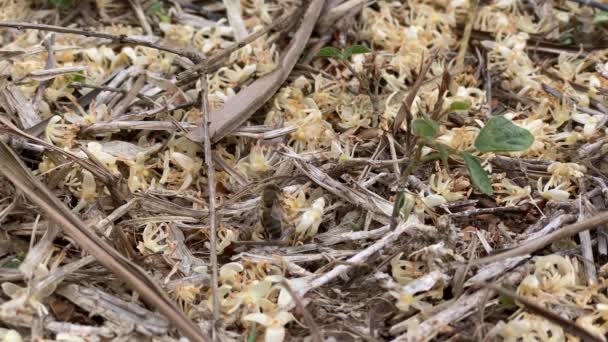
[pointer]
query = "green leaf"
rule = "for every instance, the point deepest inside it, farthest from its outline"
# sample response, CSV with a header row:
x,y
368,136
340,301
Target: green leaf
x,y
425,128
78,77
62,4
355,50
567,39
155,8
14,262
479,176
164,18
460,105
330,52
502,135
507,301
600,17
443,154
406,207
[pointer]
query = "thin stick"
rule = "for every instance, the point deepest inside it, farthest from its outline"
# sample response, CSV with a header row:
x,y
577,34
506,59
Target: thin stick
x,y
587,251
211,185
464,43
123,39
486,211
592,3
536,244
141,16
50,63
79,85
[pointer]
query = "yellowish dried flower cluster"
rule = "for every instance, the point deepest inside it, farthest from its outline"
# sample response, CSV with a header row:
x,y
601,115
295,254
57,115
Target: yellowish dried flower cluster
x,y
556,282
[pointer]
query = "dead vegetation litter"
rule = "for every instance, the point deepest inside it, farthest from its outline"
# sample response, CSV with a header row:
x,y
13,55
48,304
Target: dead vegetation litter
x,y
248,170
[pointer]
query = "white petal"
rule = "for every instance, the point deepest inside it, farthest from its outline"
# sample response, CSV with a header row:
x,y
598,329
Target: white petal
x,y
274,334
259,318
284,317
299,285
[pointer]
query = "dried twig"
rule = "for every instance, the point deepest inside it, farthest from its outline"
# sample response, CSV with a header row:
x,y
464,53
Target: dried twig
x,y
591,3
50,63
141,16
78,85
212,207
486,211
363,255
466,35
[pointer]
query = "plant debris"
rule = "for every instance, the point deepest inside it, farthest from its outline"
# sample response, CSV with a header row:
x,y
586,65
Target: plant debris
x,y
303,170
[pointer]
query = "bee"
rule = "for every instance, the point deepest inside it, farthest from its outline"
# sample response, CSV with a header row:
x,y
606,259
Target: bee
x,y
271,212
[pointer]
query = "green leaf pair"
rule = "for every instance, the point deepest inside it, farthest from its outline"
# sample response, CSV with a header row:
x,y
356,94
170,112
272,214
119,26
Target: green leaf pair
x,y
332,52
498,135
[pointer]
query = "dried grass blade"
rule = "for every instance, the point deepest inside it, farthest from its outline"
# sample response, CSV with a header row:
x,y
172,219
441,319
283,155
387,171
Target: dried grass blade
x,y
48,74
16,102
12,168
404,110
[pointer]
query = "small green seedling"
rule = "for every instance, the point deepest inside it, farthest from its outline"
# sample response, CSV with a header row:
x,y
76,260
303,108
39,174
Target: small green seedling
x,y
498,135
600,17
158,10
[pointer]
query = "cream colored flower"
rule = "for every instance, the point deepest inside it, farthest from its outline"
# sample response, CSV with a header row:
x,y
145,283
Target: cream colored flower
x,y
459,138
405,271
88,189
154,239
255,163
311,219
108,160
60,134
444,185
32,301
9,335
513,193
140,175
274,323
230,273
558,193
528,327
565,173
180,35
189,170
591,123
225,237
